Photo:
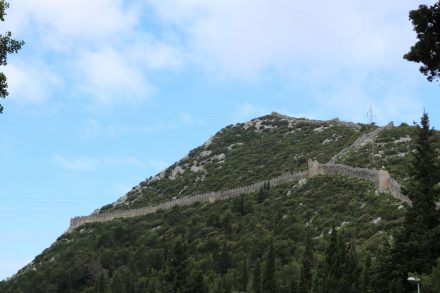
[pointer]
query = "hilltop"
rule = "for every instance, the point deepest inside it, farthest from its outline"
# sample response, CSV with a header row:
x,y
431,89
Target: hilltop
x,y
220,244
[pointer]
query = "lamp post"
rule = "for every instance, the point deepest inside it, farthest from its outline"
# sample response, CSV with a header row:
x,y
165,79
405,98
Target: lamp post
x,y
415,280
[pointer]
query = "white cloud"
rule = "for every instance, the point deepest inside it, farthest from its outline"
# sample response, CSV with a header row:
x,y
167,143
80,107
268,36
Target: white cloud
x,y
71,20
110,78
31,82
248,36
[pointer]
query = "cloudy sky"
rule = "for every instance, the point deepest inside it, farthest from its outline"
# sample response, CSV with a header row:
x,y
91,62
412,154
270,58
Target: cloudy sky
x,y
106,93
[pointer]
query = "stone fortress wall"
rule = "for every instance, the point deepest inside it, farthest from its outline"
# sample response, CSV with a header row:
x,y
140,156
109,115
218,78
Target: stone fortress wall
x,y
361,141
381,180
187,200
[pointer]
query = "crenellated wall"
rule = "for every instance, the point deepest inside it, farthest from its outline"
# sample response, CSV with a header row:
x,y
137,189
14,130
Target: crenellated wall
x,y
188,200
381,180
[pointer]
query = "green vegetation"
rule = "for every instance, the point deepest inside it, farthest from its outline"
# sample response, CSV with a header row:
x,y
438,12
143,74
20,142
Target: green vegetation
x,y
426,22
8,46
246,153
226,246
323,234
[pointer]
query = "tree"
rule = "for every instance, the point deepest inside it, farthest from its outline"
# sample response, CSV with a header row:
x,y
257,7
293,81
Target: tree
x,y
307,263
244,276
269,282
7,46
224,260
256,281
426,22
417,244
339,272
177,265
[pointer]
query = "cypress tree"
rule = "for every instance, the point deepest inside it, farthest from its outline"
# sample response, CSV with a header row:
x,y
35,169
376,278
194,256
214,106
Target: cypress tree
x,y
101,284
241,207
366,275
307,263
177,267
417,244
256,280
351,272
224,262
261,196
269,282
244,276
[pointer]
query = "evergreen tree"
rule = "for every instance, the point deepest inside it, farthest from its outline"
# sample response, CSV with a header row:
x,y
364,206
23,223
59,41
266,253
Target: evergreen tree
x,y
101,284
261,196
241,207
351,269
366,275
244,276
417,244
256,280
224,261
269,282
331,272
196,283
177,265
307,263
382,269
340,272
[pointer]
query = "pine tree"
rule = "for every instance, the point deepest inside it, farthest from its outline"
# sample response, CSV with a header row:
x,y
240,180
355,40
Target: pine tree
x,y
244,276
241,207
417,244
269,282
256,280
366,275
101,284
307,263
224,261
177,265
340,272
261,196
351,274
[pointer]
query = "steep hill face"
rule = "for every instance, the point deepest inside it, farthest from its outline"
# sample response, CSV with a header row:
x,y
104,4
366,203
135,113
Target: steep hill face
x,y
218,246
245,153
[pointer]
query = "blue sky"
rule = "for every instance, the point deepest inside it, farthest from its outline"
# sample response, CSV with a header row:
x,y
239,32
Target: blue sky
x,y
106,93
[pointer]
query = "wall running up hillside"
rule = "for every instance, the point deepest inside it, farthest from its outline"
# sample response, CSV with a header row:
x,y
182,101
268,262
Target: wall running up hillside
x,y
380,178
361,141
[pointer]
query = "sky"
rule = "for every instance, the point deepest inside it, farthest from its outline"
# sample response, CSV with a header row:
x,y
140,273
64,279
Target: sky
x,y
106,93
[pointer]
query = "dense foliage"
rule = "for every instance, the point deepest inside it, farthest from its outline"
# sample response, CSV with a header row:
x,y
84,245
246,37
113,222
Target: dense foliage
x,y
323,234
7,46
245,153
426,22
239,245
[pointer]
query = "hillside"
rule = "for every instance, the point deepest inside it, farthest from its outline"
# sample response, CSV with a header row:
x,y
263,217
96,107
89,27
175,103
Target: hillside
x,y
218,246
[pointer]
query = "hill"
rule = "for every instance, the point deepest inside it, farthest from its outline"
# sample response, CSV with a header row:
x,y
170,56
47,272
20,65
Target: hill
x,y
219,246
